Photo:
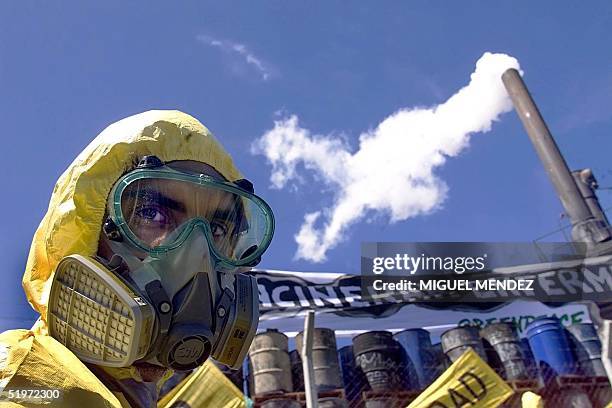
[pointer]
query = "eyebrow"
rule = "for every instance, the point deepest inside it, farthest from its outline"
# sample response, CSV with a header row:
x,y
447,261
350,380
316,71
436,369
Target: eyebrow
x,y
154,195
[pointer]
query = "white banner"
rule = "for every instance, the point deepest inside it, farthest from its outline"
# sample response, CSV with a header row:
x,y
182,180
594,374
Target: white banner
x,y
286,296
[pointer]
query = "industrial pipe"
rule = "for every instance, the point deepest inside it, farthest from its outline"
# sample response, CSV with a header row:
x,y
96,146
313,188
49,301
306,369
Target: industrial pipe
x,y
585,227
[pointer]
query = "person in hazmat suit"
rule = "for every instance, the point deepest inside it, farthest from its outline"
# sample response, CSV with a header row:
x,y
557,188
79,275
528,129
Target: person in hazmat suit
x,y
137,269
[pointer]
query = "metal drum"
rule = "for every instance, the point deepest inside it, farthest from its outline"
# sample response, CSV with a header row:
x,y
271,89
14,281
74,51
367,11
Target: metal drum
x,y
381,402
570,398
456,341
506,344
324,358
380,359
440,359
297,370
269,358
331,402
281,403
530,363
587,346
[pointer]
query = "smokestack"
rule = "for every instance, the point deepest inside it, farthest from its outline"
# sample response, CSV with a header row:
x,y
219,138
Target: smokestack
x,y
586,228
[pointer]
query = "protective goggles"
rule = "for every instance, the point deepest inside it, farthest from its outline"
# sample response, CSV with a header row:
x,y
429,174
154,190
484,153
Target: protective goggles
x,y
155,208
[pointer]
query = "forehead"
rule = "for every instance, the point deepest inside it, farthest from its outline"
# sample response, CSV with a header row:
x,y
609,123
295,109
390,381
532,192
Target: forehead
x,y
177,194
195,167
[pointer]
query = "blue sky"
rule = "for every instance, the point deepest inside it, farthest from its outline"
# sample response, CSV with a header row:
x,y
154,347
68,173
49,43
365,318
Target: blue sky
x,y
68,70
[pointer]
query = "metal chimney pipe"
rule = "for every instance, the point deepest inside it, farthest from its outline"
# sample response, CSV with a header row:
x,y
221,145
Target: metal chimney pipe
x,y
585,227
545,146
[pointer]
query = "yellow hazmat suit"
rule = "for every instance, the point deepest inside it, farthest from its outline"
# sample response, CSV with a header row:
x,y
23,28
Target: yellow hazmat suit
x,y
31,359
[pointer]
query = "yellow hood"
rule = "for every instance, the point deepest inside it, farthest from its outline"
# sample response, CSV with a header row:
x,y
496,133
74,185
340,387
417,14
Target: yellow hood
x,y
74,218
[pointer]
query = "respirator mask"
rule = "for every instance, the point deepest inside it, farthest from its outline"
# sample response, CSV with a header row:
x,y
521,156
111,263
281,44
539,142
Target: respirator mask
x,y
172,294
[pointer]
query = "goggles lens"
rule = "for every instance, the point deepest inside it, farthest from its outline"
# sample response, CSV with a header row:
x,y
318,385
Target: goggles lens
x,y
158,213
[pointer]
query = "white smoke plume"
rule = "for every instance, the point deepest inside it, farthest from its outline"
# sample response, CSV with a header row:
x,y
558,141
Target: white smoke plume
x,y
393,170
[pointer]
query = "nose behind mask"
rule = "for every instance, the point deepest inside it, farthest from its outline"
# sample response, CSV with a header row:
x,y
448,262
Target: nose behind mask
x,y
172,309
175,268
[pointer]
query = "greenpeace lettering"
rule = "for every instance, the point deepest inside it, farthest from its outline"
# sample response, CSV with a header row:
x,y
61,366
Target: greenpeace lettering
x,y
521,321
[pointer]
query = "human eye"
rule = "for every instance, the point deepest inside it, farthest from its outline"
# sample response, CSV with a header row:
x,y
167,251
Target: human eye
x,y
219,230
152,215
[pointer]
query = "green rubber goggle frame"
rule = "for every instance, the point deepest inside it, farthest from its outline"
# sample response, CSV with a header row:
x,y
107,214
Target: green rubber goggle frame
x,y
166,173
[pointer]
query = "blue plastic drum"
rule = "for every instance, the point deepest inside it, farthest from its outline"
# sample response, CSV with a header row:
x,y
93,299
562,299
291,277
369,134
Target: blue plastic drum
x,y
551,348
353,378
417,345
